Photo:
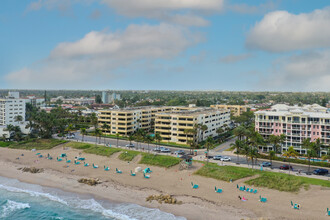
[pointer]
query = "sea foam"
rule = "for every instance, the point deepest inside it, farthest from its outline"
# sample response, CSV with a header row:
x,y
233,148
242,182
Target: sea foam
x,y
11,206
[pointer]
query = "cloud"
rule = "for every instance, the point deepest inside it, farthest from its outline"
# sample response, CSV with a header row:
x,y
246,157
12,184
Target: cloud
x,y
308,71
282,31
101,55
235,58
183,12
253,9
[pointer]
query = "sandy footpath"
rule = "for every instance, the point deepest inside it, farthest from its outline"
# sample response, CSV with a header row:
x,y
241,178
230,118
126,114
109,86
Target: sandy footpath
x,y
202,203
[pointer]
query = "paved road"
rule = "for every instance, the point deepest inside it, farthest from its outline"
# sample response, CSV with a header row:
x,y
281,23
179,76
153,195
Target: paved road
x,y
224,146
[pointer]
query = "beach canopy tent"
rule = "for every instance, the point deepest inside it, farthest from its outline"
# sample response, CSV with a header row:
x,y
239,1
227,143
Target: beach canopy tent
x,y
137,169
147,170
186,162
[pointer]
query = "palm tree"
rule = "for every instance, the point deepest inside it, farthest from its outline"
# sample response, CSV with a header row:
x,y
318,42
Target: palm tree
x,y
148,139
276,141
97,133
158,138
310,153
290,153
203,128
18,118
130,138
83,132
117,136
307,144
239,132
105,128
253,153
246,150
238,145
219,132
317,147
209,144
271,156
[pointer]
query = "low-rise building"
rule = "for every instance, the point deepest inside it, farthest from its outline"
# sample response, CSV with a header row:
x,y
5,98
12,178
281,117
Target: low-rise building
x,y
236,110
296,123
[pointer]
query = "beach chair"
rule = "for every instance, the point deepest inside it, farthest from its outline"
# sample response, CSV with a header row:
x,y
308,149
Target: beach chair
x,y
86,164
59,159
118,171
95,166
68,161
251,190
49,158
262,199
40,156
81,158
241,188
255,191
63,155
244,188
146,176
237,186
194,186
247,190
106,168
132,174
295,206
328,212
77,162
217,190
37,153
147,170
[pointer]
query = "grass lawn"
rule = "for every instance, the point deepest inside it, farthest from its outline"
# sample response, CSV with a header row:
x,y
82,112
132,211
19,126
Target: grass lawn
x,y
285,182
128,155
5,144
103,151
225,173
78,145
39,144
159,160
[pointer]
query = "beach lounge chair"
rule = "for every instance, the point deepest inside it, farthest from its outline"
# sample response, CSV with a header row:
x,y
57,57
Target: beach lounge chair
x,y
49,158
118,171
132,174
251,190
40,156
86,164
217,190
68,161
194,186
81,158
237,186
255,191
244,188
95,166
37,153
247,190
59,159
146,176
76,162
147,170
295,206
106,168
262,199
63,155
241,188
328,212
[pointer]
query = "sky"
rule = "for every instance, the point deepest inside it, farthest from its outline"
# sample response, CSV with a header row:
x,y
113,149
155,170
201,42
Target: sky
x,y
270,45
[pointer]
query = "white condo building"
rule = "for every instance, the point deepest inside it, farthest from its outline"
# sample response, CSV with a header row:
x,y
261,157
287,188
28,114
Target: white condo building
x,y
296,123
10,107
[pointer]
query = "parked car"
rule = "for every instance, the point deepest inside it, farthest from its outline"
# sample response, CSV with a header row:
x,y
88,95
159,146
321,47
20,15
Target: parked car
x,y
225,159
286,167
266,164
321,171
130,145
158,149
70,136
217,157
179,152
165,150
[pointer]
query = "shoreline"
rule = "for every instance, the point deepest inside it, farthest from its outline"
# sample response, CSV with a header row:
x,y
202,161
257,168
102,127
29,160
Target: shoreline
x,y
203,203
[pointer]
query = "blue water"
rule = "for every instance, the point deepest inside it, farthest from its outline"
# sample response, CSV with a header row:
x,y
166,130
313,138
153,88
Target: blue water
x,y
27,201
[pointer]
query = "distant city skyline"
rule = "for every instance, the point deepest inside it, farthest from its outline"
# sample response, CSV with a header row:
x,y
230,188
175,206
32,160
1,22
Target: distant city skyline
x,y
165,45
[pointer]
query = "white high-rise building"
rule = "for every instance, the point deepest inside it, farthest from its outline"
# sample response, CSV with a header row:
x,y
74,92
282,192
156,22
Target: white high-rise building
x,y
10,107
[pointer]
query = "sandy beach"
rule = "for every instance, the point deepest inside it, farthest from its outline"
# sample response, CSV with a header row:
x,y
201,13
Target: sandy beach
x,y
202,203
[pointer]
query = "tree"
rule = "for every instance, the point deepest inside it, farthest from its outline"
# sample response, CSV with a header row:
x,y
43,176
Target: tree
x,y
158,138
253,154
117,136
290,153
238,145
97,133
105,127
203,129
219,132
98,99
209,144
130,138
148,139
239,132
317,144
271,156
18,118
83,132
276,141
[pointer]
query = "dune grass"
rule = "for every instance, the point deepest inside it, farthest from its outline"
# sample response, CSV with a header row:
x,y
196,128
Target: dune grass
x,y
5,144
128,155
78,145
285,182
39,144
102,151
159,160
225,173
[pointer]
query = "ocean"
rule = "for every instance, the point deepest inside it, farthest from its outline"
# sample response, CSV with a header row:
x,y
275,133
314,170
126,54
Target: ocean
x,y
22,201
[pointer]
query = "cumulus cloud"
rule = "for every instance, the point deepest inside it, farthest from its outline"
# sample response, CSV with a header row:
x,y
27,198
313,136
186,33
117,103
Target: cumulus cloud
x,y
98,55
253,9
235,58
309,71
282,31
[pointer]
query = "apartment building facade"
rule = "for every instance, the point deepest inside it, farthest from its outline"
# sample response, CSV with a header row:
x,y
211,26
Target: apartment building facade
x,y
127,121
296,123
10,107
172,125
236,110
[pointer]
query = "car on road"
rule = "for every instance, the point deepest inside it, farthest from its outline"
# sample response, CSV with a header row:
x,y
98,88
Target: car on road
x,y
179,152
266,164
286,167
225,159
70,136
130,145
165,150
217,157
158,149
321,171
